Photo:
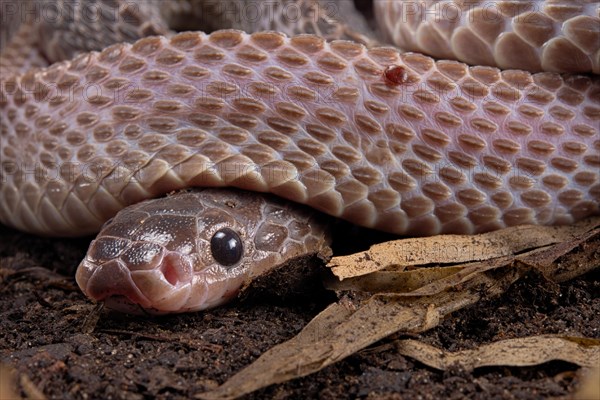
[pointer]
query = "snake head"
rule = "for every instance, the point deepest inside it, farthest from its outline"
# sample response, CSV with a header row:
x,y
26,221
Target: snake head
x,y
194,250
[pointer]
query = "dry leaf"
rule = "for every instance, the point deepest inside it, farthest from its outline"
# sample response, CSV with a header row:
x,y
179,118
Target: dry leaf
x,y
452,249
8,385
518,352
423,281
590,385
393,281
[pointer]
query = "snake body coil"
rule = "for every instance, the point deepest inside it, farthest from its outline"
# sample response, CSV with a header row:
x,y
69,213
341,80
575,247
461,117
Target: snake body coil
x,y
444,148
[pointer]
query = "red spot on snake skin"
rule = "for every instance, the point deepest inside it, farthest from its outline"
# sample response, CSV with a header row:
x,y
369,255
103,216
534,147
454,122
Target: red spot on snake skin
x,y
395,75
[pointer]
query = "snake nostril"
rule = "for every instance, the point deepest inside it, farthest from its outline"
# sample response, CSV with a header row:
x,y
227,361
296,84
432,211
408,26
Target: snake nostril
x,y
176,269
170,272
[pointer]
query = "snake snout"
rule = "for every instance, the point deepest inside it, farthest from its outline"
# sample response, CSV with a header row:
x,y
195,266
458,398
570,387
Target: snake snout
x,y
160,284
111,279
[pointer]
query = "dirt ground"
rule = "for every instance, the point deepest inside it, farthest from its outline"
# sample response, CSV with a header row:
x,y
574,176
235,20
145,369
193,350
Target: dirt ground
x,y
49,334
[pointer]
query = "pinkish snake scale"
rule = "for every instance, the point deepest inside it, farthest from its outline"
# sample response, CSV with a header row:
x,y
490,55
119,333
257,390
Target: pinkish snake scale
x,y
431,147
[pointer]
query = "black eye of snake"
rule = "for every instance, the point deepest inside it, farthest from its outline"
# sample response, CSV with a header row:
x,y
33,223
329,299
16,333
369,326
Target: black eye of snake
x,y
226,247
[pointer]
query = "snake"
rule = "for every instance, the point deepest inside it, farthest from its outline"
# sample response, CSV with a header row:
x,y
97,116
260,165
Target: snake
x,y
205,160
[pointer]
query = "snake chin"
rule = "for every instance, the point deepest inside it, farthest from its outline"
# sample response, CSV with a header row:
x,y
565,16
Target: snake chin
x,y
124,305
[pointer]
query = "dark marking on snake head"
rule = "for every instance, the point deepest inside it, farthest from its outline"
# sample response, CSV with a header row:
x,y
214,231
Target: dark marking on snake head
x,y
395,75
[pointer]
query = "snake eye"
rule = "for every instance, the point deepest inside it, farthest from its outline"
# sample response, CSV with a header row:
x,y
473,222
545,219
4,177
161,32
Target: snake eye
x,y
226,247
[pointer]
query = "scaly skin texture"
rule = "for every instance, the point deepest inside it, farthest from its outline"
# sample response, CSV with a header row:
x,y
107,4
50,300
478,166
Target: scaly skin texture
x,y
52,30
555,35
452,149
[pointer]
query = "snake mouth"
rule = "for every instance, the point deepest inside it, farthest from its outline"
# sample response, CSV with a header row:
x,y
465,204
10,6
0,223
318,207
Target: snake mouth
x,y
163,289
